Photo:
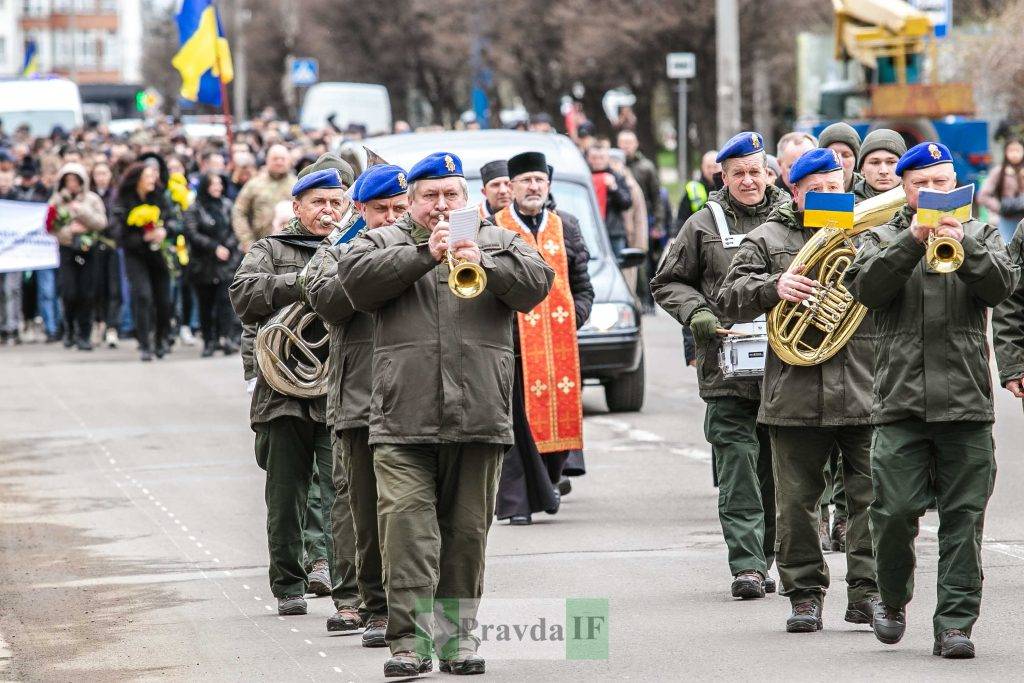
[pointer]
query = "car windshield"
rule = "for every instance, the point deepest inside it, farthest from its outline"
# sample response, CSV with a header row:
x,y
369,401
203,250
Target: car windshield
x,y
41,123
572,198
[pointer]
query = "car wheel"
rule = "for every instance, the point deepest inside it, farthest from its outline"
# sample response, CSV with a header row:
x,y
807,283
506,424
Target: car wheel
x,y
625,393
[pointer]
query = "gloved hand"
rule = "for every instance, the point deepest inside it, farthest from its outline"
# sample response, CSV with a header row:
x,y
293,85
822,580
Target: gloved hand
x,y
703,324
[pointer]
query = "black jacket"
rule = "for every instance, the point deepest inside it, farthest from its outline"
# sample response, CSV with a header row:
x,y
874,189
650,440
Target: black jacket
x,y
208,226
130,237
578,257
618,201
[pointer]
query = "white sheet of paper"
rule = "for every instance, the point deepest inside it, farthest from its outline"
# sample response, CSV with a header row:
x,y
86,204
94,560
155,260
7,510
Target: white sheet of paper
x,y
464,224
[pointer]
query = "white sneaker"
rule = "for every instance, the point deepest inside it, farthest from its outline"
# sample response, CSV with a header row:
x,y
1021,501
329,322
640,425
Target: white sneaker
x,y
110,338
187,338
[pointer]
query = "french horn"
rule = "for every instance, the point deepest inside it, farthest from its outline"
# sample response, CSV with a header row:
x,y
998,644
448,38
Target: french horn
x,y
814,330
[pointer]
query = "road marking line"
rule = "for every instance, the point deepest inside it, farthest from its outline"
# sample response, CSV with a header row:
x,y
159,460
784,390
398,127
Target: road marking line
x,y
988,543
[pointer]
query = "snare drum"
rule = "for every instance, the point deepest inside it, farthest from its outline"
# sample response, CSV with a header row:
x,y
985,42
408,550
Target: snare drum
x,y
742,355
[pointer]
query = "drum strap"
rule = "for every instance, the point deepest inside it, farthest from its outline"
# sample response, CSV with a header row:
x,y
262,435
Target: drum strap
x,y
728,241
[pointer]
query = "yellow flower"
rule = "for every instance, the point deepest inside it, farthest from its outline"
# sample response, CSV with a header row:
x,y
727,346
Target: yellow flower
x,y
180,193
143,215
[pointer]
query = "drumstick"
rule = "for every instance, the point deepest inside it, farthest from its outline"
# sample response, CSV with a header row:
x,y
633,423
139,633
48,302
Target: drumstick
x,y
722,330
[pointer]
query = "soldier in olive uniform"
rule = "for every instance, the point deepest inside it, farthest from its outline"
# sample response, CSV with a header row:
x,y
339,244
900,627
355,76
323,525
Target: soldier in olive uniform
x,y
686,286
380,199
291,433
879,154
1008,325
440,405
810,410
932,400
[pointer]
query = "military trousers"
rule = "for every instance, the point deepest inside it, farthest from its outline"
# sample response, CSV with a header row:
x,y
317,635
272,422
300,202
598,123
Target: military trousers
x,y
835,493
314,537
344,591
287,447
904,455
799,457
746,485
435,503
353,471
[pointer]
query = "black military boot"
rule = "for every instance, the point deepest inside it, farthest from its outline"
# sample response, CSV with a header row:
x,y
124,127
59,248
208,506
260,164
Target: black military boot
x,y
748,585
769,584
839,534
291,605
373,634
953,644
889,623
320,578
464,664
806,617
407,664
862,611
345,619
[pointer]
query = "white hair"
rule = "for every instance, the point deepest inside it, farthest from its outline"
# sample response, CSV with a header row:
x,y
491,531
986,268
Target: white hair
x,y
763,156
462,184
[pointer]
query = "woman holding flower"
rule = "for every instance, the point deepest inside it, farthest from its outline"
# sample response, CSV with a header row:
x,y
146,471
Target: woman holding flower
x,y
140,215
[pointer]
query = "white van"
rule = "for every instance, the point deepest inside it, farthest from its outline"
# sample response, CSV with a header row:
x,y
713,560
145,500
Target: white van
x,y
41,103
366,104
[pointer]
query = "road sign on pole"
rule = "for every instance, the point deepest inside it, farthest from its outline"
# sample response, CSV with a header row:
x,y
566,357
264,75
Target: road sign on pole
x,y
681,66
304,72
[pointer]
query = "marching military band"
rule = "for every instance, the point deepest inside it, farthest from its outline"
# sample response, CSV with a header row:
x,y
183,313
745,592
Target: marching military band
x,y
424,399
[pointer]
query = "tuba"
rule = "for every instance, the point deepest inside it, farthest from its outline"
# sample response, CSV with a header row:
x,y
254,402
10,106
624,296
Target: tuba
x,y
811,332
292,348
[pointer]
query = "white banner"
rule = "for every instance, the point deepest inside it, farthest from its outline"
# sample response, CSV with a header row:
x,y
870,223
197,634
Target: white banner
x,y
24,242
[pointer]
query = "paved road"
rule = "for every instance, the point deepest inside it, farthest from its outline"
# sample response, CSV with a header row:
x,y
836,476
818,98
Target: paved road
x,y
133,543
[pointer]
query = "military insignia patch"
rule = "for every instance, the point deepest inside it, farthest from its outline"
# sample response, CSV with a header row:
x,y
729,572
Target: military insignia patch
x,y
934,151
449,163
402,183
755,141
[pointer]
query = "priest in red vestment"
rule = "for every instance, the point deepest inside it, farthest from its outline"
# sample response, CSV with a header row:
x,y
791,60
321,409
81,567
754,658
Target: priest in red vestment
x,y
547,409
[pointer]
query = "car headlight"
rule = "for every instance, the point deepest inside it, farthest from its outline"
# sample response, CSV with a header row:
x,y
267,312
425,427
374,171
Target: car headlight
x,y
606,317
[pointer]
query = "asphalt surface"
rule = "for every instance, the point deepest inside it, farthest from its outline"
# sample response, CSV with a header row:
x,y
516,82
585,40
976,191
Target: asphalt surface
x,y
132,529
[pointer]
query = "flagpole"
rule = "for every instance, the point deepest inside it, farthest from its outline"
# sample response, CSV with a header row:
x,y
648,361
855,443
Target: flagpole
x,y
225,106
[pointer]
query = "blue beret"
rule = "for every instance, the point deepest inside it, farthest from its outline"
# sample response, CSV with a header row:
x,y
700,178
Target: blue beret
x,y
329,178
438,165
813,161
741,145
922,156
379,182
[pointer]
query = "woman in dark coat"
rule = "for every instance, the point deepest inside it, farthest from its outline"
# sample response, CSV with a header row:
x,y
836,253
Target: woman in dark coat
x,y
148,276
215,257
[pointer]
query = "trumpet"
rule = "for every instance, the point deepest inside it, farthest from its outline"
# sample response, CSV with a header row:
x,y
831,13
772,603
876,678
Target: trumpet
x,y
944,254
466,280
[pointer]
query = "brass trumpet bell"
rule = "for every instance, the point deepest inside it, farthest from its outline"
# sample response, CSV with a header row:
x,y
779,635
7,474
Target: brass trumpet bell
x,y
944,254
466,280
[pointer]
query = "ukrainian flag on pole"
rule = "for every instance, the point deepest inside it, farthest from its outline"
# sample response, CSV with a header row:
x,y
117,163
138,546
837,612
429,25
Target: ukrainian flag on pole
x,y
30,69
204,58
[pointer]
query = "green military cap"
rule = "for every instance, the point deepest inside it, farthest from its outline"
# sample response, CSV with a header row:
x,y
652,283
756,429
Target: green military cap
x,y
331,160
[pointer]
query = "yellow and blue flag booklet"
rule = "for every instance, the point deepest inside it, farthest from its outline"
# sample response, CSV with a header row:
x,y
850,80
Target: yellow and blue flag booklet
x,y
829,210
932,205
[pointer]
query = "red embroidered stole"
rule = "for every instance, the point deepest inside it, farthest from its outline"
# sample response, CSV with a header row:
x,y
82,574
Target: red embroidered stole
x,y
547,340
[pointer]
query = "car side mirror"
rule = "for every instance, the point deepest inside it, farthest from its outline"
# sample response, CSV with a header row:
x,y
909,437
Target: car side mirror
x,y
631,257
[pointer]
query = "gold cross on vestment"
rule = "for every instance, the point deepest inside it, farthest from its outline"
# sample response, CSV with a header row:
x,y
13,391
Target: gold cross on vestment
x,y
566,385
560,314
538,388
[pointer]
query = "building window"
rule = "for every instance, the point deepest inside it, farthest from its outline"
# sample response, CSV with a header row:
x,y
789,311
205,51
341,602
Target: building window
x,y
62,6
111,52
63,49
35,8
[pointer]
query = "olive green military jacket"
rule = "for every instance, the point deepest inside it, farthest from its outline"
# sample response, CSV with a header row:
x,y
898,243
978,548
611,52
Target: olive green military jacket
x,y
267,281
348,394
442,366
834,393
862,190
1008,320
691,274
931,354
